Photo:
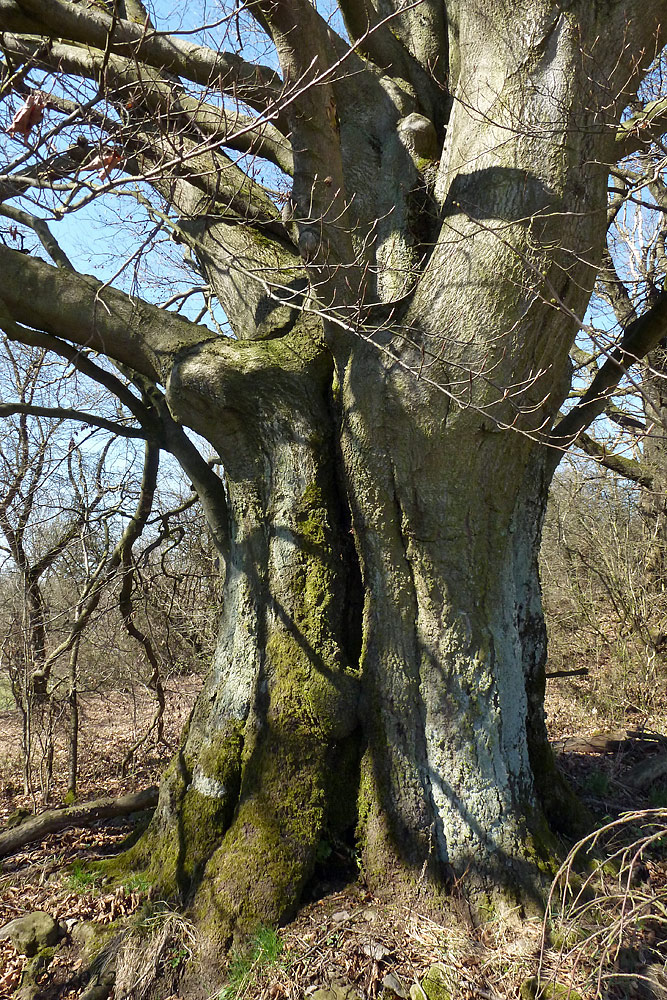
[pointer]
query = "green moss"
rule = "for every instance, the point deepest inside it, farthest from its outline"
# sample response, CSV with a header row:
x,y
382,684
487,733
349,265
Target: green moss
x,y
241,821
533,989
258,873
439,983
17,817
171,857
91,938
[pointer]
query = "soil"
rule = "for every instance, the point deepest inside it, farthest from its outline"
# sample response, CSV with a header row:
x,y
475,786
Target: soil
x,y
341,937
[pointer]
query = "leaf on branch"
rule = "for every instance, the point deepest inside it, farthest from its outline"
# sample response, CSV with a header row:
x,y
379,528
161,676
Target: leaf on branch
x,y
104,163
28,115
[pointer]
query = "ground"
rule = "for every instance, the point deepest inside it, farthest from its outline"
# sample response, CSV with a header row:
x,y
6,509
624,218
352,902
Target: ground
x,y
343,941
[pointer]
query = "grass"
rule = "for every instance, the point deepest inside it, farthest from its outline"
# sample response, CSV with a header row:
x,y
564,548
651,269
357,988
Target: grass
x,y
81,879
597,783
265,950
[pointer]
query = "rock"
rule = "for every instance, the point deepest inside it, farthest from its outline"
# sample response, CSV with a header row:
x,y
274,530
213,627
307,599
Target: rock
x,y
652,982
336,991
393,985
548,990
31,933
439,983
375,950
98,992
91,938
30,990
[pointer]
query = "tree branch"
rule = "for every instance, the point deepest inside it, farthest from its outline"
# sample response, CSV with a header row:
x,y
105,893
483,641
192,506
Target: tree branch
x,y
377,40
258,86
628,468
641,128
158,96
421,30
82,363
65,413
87,312
80,815
41,229
640,337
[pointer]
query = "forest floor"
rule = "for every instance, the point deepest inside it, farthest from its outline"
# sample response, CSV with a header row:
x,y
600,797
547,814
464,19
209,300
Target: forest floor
x,y
609,942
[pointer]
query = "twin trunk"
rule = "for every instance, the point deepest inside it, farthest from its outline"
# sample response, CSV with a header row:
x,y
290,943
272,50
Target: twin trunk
x,y
379,670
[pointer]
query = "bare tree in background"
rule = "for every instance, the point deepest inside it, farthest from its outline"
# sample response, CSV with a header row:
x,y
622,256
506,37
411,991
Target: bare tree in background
x,y
72,517
401,214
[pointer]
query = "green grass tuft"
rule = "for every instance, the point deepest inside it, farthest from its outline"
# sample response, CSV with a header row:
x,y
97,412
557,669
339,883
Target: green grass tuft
x,y
264,950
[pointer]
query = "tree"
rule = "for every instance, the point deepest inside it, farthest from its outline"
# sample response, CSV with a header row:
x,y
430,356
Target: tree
x,y
72,516
385,408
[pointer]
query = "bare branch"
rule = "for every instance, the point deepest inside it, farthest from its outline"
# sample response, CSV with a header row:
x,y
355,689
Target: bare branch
x,y
82,310
629,468
258,86
40,227
640,337
641,128
155,95
68,413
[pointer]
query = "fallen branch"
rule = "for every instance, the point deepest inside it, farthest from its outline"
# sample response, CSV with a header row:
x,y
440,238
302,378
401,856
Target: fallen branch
x,y
82,814
579,672
648,771
619,739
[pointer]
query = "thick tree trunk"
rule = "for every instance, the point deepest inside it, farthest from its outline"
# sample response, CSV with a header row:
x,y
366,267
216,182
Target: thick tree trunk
x,y
458,781
272,749
381,653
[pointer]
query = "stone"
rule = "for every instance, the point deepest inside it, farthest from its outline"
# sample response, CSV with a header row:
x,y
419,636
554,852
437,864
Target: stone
x,y
30,990
652,982
439,983
375,950
393,985
548,990
98,992
336,991
32,932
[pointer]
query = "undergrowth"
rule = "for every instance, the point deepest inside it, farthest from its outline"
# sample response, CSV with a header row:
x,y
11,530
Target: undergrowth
x,y
607,930
265,951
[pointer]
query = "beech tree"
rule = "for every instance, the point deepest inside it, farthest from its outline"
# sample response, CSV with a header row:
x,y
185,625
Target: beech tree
x,y
401,213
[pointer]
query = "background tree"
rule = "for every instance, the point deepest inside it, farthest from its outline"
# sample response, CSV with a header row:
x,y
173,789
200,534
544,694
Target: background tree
x,y
382,398
73,510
